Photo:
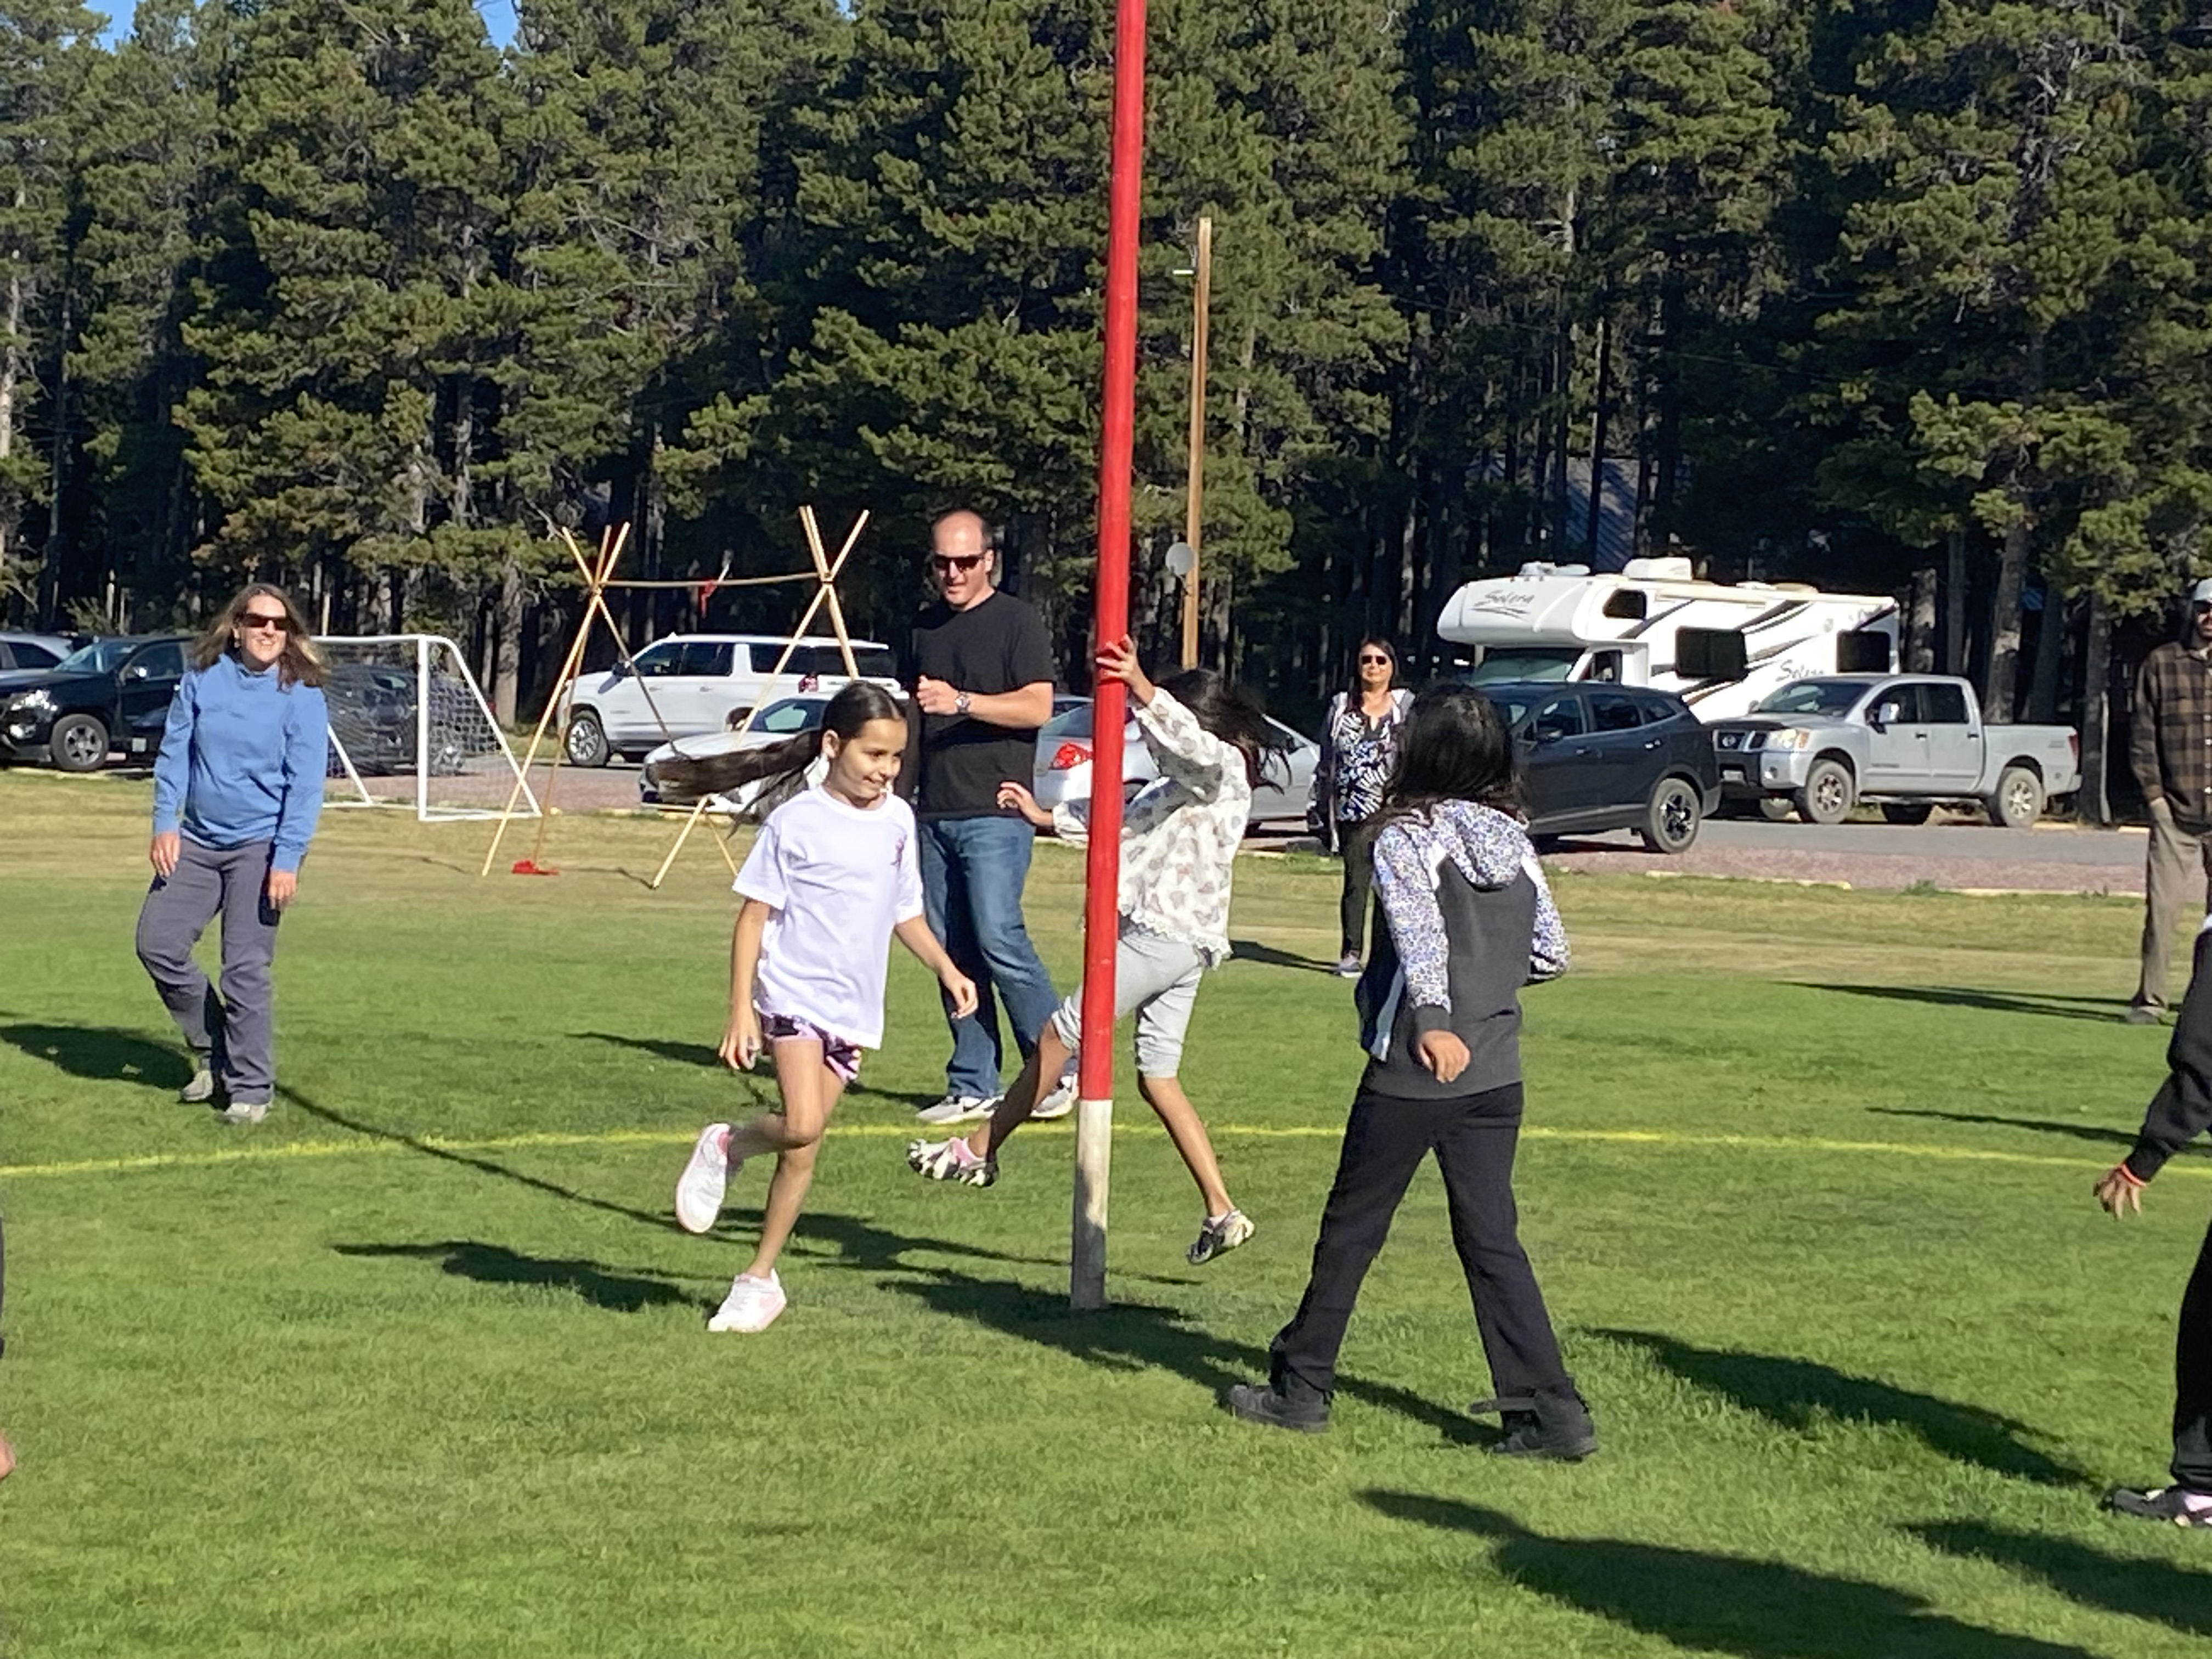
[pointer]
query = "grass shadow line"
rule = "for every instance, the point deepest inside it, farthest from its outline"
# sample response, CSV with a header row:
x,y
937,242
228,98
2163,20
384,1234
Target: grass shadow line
x,y
707,1055
1790,1392
618,1291
1710,1603
2118,1583
2123,1139
1251,949
2052,1007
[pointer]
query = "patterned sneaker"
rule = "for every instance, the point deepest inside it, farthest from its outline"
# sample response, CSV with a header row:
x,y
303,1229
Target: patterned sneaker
x,y
245,1111
952,1160
751,1305
1220,1232
1058,1103
958,1109
200,1089
699,1189
2178,1505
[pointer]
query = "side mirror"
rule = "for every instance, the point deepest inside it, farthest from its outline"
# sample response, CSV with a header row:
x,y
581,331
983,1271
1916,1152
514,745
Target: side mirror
x,y
621,670
138,670
1882,717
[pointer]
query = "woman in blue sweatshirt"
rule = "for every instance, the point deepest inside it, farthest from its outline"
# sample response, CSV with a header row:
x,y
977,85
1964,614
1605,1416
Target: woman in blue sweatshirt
x,y
237,791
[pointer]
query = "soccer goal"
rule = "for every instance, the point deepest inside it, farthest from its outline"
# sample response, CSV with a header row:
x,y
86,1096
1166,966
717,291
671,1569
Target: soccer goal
x,y
409,727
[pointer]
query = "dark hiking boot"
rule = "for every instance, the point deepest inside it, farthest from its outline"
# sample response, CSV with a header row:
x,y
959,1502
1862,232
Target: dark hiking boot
x,y
1286,1404
1555,1425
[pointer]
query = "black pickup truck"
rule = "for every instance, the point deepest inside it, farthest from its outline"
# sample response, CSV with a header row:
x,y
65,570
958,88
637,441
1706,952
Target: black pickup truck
x,y
109,695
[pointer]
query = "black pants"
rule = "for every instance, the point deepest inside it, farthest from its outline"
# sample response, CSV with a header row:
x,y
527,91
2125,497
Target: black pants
x,y
1355,837
2192,1379
1474,1138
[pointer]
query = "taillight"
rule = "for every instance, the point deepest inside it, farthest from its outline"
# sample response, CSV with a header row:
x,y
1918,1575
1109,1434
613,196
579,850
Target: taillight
x,y
1068,756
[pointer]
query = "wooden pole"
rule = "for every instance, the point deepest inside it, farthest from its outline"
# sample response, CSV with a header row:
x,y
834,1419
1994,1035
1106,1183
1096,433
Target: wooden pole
x,y
1193,514
1094,1123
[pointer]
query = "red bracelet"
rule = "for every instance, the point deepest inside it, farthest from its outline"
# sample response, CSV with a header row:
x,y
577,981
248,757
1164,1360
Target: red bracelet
x,y
2129,1175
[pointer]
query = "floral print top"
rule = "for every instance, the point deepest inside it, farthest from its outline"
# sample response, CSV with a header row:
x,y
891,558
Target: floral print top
x,y
1361,753
1179,835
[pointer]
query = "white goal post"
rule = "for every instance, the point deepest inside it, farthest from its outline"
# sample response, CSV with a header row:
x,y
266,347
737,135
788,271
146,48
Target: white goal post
x,y
409,727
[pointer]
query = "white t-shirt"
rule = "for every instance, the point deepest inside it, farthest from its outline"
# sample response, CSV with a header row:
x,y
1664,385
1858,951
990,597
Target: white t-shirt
x,y
837,878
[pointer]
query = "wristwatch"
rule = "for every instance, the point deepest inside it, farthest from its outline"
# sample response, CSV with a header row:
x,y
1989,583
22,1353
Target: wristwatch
x,y
960,703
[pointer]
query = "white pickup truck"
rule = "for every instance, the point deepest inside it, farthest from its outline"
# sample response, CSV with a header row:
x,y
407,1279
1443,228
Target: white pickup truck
x,y
1905,742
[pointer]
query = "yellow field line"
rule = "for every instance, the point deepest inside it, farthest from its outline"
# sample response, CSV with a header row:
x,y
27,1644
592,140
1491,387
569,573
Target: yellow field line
x,y
1657,1138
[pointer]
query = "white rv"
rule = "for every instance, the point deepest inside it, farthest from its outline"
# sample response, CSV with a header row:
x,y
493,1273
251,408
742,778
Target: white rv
x,y
1719,647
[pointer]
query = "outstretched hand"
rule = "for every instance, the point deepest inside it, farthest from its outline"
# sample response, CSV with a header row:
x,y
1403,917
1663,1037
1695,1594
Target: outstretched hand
x,y
2118,1194
1118,660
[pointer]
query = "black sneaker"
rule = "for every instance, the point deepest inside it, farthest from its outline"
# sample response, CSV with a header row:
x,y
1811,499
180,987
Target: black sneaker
x,y
2177,1505
1288,1404
1551,1426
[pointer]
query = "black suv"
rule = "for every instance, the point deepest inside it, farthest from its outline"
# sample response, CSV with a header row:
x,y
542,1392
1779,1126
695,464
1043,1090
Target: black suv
x,y
111,694
1599,756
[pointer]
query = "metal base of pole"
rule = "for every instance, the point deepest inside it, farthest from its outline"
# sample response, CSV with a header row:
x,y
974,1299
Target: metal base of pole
x,y
1094,1157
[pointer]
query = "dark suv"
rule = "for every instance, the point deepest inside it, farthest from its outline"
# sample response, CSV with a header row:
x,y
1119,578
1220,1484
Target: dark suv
x,y
109,695
1600,757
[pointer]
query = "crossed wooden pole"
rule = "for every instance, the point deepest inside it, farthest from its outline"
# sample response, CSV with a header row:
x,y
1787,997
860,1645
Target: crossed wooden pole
x,y
826,571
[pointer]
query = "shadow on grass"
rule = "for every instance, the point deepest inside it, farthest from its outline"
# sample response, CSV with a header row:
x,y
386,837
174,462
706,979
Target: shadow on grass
x,y
1247,950
1128,1336
2145,1590
2102,1010
1793,1393
476,1161
625,1291
102,1053
704,1053
1718,1603
2123,1139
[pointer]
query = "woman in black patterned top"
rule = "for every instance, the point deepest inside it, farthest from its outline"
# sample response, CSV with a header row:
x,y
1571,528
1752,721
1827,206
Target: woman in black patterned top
x,y
1358,748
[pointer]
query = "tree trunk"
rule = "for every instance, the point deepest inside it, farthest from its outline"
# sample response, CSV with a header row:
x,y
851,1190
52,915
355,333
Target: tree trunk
x,y
2001,675
507,644
2094,804
2049,634
1954,602
1920,624
1666,457
1595,519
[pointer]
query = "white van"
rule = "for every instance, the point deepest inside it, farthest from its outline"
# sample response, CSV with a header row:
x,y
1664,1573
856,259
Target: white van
x,y
690,684
1719,647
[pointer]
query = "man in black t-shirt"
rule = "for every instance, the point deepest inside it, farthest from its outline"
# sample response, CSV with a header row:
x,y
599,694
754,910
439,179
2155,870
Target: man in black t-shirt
x,y
982,671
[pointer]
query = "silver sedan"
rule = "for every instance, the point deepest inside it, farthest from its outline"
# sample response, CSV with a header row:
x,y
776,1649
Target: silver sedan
x,y
1063,767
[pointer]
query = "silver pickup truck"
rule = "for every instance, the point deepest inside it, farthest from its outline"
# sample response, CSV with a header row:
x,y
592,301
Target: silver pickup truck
x,y
1904,741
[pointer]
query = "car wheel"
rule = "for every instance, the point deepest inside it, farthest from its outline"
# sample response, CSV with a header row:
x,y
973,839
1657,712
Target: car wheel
x,y
2018,802
1776,809
1828,795
586,740
1907,812
1670,817
78,743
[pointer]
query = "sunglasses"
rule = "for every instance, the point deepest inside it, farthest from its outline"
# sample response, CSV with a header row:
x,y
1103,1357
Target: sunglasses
x,y
1374,662
257,619
945,563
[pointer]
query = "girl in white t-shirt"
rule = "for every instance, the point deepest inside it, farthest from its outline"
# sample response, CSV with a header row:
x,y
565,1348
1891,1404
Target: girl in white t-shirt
x,y
832,878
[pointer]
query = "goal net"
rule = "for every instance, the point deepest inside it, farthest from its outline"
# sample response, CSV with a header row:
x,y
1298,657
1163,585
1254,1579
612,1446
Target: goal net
x,y
409,728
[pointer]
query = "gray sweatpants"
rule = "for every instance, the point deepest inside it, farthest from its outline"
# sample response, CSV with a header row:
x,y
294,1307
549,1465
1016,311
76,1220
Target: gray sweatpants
x,y
230,1031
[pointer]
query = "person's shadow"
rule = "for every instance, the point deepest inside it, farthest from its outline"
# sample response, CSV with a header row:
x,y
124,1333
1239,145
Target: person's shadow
x,y
625,1291
701,1053
2100,1010
1248,950
102,1053
1791,1393
2144,1589
1712,1603
1135,1336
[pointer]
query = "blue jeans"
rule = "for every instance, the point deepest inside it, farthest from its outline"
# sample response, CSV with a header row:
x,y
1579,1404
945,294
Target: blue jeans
x,y
972,874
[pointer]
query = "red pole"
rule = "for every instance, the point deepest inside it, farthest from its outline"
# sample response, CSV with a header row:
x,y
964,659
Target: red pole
x,y
1103,870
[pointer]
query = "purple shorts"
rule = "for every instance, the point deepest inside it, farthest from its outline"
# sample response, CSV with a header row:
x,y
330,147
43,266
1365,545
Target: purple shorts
x,y
841,1057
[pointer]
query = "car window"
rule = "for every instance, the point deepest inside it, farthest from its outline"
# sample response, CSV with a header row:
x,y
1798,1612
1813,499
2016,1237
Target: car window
x,y
101,656
1614,711
1658,710
1946,705
1904,700
1562,717
658,661
1829,698
790,716
159,662
705,657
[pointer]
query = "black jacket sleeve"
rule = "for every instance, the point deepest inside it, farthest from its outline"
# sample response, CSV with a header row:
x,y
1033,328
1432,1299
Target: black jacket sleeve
x,y
2182,1109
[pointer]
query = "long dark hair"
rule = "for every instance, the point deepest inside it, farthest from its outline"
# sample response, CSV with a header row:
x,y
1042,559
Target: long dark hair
x,y
1233,714
1454,747
783,763
1352,689
301,663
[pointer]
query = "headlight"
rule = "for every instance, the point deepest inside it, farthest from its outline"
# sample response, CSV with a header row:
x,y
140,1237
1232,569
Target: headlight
x,y
34,700
1789,738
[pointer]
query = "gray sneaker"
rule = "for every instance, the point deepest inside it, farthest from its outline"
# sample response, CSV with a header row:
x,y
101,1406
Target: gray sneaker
x,y
245,1111
200,1089
1218,1234
1058,1103
958,1108
1347,966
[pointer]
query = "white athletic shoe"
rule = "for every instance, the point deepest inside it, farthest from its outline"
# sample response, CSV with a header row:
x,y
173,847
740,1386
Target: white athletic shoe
x,y
245,1111
699,1189
1218,1235
751,1305
952,1160
958,1108
1058,1103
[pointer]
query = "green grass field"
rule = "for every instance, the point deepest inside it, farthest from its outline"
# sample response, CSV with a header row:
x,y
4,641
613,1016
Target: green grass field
x,y
418,1367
